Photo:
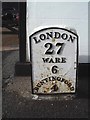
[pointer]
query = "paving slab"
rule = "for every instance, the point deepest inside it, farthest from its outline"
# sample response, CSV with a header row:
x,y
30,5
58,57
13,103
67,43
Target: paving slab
x,y
19,102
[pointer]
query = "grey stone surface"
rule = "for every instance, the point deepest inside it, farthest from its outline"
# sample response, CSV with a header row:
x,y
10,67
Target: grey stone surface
x,y
19,102
9,58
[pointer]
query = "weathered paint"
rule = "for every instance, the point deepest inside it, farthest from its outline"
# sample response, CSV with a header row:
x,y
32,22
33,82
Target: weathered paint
x,y
54,65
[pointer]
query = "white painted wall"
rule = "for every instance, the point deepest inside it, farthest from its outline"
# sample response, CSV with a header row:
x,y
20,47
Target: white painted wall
x,y
70,14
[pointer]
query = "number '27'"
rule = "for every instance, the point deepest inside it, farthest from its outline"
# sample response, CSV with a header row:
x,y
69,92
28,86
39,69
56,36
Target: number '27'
x,y
50,48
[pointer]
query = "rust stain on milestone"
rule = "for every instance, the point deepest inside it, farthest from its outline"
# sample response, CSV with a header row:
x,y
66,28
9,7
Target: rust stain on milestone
x,y
55,86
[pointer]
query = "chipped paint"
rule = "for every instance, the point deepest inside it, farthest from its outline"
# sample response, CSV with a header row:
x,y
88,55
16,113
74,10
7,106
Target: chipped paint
x,y
54,61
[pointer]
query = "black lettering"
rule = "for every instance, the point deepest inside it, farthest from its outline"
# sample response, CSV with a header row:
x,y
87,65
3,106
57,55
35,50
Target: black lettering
x,y
50,48
42,82
61,46
51,61
36,88
64,36
42,37
50,78
58,78
63,60
66,82
69,84
45,60
54,78
46,79
62,79
36,41
49,35
71,88
54,69
71,38
38,85
57,60
57,35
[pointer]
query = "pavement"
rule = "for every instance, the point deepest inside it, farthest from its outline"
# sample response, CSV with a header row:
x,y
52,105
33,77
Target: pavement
x,y
18,100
